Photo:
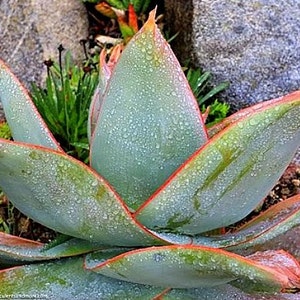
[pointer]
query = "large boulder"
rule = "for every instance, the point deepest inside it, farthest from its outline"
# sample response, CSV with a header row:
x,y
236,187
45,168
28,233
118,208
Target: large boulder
x,y
253,44
31,31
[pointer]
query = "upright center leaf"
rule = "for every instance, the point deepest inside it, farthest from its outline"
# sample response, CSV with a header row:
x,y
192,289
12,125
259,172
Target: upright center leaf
x,y
149,123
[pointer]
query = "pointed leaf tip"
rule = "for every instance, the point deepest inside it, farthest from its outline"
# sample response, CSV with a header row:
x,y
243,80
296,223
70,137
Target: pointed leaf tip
x,y
149,122
282,262
150,23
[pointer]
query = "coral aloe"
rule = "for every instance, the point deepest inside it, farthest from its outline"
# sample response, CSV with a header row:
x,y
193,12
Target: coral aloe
x,y
139,217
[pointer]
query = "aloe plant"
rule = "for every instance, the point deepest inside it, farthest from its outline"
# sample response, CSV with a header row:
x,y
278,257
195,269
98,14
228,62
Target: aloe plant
x,y
138,221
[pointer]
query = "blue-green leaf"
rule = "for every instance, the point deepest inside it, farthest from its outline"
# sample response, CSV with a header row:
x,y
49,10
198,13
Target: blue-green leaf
x,y
149,122
66,279
194,266
277,220
254,235
242,114
64,194
224,292
227,178
23,119
15,250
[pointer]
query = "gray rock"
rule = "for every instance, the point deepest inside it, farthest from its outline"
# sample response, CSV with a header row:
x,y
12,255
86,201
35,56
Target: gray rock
x,y
31,31
253,44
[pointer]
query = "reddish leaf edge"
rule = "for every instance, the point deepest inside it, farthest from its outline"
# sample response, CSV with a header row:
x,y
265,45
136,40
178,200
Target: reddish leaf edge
x,y
13,240
227,125
96,175
281,261
17,251
226,241
250,110
33,107
281,217
106,69
249,234
161,295
272,212
150,26
278,273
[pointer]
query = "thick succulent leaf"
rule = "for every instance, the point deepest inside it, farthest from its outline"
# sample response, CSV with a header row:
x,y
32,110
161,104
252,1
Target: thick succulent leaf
x,y
280,261
149,121
66,279
247,112
105,69
24,120
227,178
191,267
62,193
224,292
15,250
288,241
274,222
277,228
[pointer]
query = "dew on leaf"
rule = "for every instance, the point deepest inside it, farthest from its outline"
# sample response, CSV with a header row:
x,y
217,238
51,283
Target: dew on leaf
x,y
148,57
94,183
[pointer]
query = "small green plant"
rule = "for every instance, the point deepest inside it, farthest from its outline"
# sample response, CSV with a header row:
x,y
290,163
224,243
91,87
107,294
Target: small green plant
x,y
140,220
199,83
205,95
217,112
65,101
140,6
4,131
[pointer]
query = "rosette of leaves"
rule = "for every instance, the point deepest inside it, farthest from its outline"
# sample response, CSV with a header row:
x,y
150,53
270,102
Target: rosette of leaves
x,y
139,221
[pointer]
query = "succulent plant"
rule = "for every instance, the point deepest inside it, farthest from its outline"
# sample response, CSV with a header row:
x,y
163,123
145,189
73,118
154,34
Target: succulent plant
x,y
139,222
